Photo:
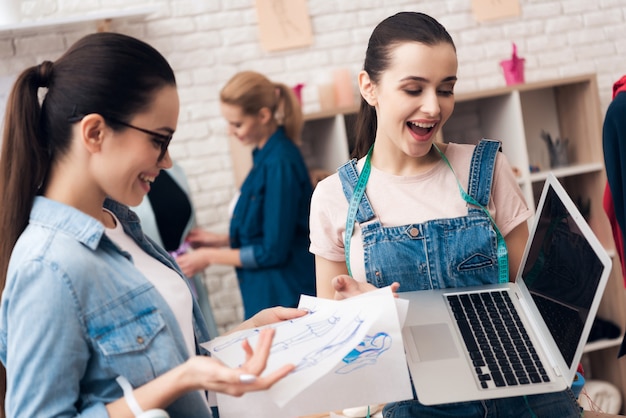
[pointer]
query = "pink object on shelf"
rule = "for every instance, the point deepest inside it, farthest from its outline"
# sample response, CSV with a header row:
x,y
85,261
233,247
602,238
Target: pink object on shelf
x,y
297,89
513,68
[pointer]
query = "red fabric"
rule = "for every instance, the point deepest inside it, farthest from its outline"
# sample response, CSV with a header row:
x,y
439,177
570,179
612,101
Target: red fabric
x,y
609,208
620,85
607,201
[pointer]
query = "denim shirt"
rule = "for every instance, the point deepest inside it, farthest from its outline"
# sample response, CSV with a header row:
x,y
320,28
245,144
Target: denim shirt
x,y
270,226
76,313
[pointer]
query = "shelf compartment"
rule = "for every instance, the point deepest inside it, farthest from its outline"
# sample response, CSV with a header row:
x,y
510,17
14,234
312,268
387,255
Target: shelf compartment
x,y
603,344
37,27
572,170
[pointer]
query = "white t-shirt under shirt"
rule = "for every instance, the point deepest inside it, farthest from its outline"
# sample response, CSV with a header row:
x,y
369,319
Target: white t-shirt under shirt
x,y
169,284
402,200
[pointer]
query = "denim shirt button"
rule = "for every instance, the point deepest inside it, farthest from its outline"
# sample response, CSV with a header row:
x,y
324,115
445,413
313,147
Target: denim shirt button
x,y
414,232
140,340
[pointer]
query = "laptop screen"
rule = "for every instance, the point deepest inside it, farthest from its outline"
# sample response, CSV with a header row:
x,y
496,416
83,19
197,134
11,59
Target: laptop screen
x,y
562,273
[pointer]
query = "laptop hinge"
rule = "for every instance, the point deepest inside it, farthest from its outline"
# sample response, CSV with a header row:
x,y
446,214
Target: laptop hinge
x,y
540,338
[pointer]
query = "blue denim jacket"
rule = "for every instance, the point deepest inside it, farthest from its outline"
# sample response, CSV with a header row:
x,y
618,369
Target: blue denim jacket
x,y
76,313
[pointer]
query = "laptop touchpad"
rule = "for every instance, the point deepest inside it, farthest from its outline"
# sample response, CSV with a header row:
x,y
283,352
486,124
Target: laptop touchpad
x,y
434,342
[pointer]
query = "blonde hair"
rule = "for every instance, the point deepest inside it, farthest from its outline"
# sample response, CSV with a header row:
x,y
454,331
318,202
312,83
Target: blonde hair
x,y
252,91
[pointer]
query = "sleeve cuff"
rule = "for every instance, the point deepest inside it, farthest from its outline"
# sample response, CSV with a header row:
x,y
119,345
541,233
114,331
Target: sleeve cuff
x,y
247,258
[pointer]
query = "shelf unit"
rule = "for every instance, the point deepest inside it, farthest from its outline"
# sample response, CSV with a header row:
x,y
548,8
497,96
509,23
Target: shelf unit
x,y
516,115
102,19
566,108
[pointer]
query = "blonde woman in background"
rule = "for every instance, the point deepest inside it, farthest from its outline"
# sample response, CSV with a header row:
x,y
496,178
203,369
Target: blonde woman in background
x,y
268,239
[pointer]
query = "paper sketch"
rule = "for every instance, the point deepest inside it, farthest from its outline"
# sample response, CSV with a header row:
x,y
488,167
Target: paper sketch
x,y
495,9
283,24
339,345
305,342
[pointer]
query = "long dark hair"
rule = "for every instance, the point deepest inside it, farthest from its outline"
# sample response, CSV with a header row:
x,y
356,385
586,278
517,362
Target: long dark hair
x,y
106,73
399,28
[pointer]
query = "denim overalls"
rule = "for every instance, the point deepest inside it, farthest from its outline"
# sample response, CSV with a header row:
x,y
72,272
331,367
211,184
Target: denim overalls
x,y
443,253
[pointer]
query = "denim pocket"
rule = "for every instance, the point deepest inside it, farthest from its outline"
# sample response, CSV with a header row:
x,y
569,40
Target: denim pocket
x,y
470,253
131,335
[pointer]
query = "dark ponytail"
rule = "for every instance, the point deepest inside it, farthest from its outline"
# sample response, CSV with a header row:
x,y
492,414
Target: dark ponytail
x,y
23,162
24,159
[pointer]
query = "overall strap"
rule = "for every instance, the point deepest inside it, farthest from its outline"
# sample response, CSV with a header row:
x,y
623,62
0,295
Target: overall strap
x,y
503,255
359,207
349,177
482,169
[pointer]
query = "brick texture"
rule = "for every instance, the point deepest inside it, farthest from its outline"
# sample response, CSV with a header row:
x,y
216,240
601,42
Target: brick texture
x,y
208,41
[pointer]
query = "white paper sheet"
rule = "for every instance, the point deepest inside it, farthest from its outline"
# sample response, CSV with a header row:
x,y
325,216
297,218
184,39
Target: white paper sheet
x,y
348,353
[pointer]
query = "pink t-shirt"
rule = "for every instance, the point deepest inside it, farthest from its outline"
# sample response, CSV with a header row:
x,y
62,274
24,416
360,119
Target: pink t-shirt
x,y
402,200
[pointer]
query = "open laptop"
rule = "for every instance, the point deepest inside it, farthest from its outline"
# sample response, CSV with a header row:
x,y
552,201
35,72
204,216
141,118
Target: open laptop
x,y
558,289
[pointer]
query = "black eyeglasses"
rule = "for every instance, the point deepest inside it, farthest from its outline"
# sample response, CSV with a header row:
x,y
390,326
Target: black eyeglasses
x,y
164,140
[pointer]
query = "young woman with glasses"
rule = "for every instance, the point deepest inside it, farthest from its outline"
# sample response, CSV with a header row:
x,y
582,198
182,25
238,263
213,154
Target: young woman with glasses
x,y
91,308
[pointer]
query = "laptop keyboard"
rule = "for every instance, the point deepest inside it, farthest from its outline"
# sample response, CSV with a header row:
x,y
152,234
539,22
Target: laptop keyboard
x,y
496,340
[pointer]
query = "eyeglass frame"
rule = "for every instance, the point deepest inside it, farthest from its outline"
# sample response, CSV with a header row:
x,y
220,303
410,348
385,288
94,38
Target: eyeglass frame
x,y
166,139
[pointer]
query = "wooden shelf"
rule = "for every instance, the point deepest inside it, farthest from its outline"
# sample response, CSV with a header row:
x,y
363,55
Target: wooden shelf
x,y
602,344
572,170
50,25
323,114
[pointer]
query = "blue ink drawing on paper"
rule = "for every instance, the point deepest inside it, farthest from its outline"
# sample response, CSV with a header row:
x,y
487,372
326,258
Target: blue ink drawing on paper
x,y
336,343
366,353
326,335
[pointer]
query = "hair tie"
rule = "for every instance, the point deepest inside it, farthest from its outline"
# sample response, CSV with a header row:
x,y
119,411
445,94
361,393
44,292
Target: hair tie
x,y
43,74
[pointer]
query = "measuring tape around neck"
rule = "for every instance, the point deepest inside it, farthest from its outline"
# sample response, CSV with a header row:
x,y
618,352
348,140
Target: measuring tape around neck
x,y
359,191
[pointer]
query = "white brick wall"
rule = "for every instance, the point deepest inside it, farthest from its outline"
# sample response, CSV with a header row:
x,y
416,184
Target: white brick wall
x,y
207,41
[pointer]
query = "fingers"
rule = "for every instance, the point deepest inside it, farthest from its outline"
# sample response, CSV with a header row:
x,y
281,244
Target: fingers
x,y
273,315
285,314
248,378
185,263
248,382
192,263
256,360
345,287
273,377
394,289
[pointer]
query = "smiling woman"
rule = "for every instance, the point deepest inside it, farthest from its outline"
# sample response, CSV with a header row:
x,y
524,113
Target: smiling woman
x,y
410,211
108,310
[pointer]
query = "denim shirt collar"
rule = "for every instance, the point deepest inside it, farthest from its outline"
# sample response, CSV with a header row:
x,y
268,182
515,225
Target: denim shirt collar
x,y
260,154
84,228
